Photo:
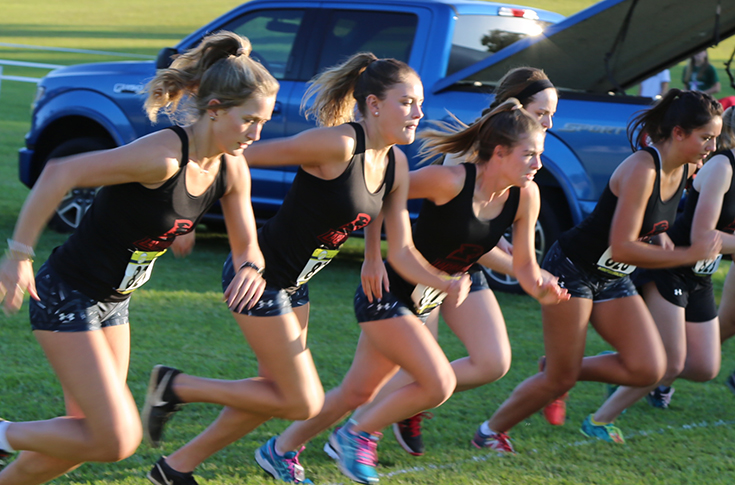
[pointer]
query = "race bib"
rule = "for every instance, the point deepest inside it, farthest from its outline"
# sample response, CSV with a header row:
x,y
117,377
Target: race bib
x,y
138,270
426,298
319,259
707,266
607,265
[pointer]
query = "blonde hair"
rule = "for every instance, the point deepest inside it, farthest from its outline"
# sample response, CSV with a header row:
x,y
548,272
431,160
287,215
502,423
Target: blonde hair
x,y
726,140
337,90
220,68
506,126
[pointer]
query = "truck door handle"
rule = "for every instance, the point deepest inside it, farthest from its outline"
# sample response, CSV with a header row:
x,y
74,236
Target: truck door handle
x,y
277,108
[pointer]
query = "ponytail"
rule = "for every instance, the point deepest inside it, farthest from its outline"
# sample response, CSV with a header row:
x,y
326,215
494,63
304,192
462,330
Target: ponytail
x,y
688,110
219,68
506,125
339,89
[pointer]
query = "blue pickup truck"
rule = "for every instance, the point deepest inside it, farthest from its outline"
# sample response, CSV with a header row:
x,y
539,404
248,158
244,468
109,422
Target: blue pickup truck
x,y
460,48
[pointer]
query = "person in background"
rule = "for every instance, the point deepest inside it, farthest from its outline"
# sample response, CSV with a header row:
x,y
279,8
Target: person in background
x,y
700,75
655,86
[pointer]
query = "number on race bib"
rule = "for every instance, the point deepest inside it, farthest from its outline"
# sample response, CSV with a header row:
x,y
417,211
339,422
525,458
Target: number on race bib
x,y
138,270
707,266
319,259
607,265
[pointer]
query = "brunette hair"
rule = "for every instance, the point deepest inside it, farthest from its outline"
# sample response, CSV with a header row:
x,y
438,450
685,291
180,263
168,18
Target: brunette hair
x,y
515,82
688,110
337,90
506,126
219,68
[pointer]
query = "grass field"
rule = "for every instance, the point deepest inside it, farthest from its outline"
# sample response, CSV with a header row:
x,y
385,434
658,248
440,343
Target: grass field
x,y
178,319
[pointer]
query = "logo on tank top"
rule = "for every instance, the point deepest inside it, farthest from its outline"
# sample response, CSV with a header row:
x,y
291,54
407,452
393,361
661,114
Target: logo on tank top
x,y
658,228
334,238
730,227
181,226
460,260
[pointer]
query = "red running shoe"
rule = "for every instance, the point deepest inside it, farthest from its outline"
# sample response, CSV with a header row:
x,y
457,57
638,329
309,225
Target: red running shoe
x,y
556,411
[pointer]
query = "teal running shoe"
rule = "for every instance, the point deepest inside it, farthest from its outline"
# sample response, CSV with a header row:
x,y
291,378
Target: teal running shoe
x,y
357,454
606,432
284,468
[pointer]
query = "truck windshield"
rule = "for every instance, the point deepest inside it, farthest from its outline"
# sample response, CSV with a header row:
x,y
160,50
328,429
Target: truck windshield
x,y
479,36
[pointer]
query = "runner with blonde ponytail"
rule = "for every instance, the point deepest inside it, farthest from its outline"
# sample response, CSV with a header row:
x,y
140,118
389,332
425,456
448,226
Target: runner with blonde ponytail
x,y
155,190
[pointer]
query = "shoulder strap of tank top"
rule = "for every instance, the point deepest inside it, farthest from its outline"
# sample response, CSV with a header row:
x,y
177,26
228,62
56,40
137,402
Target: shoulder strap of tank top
x,y
470,170
730,156
657,164
390,172
514,199
359,137
184,143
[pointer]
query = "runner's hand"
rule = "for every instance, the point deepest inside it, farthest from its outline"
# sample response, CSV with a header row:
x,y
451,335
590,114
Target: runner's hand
x,y
374,278
244,290
15,278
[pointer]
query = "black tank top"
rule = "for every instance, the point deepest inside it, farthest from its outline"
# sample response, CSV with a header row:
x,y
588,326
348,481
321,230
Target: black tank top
x,y
451,237
681,232
317,216
588,243
127,227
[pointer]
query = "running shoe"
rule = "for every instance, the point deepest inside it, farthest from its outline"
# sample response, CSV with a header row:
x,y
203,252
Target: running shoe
x,y
605,432
495,441
284,468
358,454
730,381
330,447
556,411
162,474
408,433
660,397
160,403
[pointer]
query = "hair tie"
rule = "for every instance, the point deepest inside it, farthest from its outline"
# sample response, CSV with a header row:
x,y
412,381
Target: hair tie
x,y
533,88
240,51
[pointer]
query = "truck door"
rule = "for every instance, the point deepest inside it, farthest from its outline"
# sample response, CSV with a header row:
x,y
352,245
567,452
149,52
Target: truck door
x,y
276,35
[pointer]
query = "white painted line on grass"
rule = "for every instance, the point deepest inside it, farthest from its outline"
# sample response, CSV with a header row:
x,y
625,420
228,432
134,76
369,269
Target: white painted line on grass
x,y
76,51
39,65
490,455
22,79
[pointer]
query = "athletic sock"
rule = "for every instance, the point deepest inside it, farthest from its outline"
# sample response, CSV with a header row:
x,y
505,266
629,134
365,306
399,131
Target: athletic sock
x,y
485,429
596,423
4,445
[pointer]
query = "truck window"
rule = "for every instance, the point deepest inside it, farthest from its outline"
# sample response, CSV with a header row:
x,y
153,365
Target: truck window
x,y
385,34
272,34
479,36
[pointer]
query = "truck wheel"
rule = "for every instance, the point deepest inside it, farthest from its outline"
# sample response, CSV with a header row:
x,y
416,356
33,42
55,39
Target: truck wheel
x,y
76,202
548,229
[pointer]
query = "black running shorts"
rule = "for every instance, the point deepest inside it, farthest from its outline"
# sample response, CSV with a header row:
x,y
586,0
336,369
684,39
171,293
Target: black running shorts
x,y
391,307
581,283
275,301
681,287
64,309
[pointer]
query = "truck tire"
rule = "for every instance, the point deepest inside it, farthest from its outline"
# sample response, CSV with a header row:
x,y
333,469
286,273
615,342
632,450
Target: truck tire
x,y
76,202
549,226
